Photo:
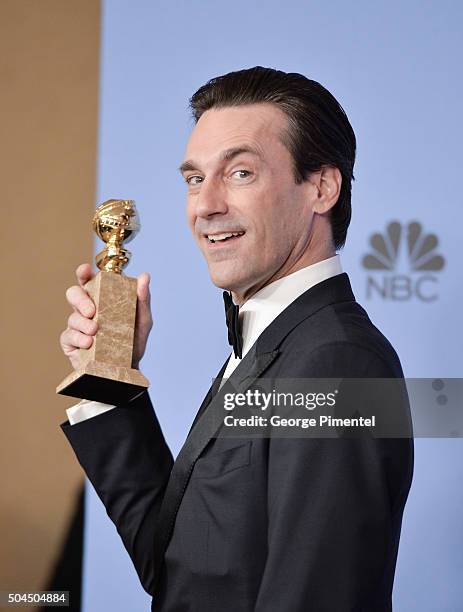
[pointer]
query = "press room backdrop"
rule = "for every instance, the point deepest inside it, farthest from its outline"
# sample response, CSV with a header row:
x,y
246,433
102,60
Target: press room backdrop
x,y
395,68
49,58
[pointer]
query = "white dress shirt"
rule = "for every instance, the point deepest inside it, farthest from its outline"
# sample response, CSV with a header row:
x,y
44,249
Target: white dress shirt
x,y
255,315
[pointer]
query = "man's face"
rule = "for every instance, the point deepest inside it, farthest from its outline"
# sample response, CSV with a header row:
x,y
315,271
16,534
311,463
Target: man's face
x,y
249,217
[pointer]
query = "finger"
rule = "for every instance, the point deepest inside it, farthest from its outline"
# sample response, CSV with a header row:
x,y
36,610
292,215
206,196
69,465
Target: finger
x,y
79,299
80,323
84,273
72,339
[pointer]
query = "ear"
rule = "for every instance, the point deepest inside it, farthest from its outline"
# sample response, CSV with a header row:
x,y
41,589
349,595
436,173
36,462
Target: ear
x,y
328,182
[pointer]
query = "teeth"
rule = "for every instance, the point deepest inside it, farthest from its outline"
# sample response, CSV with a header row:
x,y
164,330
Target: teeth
x,y
217,237
222,236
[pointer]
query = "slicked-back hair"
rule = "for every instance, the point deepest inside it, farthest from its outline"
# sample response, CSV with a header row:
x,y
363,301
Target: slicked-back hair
x,y
318,133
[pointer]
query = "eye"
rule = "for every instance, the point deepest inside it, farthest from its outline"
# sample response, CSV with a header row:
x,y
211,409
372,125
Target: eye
x,y
242,174
194,180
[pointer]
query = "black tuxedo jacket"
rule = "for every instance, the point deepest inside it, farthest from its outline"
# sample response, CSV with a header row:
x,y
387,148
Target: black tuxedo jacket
x,y
263,525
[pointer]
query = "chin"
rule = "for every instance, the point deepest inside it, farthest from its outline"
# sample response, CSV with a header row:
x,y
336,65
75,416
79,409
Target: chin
x,y
227,280
222,282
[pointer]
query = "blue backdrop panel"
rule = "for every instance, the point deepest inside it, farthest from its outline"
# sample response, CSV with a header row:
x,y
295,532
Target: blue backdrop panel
x,y
395,68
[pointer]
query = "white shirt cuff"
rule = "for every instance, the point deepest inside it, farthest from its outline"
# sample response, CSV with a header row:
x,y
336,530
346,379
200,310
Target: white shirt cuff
x,y
86,409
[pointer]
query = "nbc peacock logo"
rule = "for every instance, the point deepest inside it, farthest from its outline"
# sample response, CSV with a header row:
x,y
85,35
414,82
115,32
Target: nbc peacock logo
x,y
403,262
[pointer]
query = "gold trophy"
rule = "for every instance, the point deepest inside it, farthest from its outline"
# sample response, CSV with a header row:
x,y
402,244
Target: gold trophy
x,y
105,373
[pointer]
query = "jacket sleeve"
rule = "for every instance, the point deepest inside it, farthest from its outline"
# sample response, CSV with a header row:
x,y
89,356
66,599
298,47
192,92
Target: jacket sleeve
x,y
125,457
334,512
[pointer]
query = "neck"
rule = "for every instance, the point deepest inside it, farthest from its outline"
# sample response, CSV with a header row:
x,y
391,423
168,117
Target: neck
x,y
309,257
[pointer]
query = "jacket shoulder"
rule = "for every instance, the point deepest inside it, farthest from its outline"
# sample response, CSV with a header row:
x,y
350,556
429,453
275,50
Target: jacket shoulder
x,y
339,340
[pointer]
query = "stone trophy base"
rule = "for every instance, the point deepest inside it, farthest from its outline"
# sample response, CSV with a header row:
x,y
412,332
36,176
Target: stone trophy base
x,y
106,373
102,382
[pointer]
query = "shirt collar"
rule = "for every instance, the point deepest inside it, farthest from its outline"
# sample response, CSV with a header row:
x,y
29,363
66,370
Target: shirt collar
x,y
265,305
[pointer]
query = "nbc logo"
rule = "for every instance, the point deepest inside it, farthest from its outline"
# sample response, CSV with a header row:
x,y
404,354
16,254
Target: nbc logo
x,y
402,261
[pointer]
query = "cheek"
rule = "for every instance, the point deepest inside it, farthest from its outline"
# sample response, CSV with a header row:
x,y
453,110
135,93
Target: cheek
x,y
190,216
256,207
280,224
271,216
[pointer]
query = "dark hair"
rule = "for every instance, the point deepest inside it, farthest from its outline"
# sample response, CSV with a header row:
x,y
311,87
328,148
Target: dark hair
x,y
319,133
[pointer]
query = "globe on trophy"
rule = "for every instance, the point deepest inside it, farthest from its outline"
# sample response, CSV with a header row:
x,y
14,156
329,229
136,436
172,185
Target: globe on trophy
x,y
106,372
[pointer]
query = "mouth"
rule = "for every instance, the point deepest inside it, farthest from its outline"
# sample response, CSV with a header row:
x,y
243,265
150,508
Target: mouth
x,y
222,238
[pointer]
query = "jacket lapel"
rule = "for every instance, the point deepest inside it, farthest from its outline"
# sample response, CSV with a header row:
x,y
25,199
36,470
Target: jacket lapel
x,y
203,430
210,394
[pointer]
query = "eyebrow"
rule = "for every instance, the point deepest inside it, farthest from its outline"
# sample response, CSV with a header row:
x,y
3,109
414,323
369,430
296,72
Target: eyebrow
x,y
227,155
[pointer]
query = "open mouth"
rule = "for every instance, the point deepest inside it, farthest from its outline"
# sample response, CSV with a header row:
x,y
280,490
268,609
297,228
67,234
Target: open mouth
x,y
223,237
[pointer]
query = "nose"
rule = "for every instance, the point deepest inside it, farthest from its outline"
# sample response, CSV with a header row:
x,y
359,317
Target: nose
x,y
211,199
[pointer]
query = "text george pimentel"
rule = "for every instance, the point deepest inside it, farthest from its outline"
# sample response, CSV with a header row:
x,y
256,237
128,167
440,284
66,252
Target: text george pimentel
x,y
275,420
258,399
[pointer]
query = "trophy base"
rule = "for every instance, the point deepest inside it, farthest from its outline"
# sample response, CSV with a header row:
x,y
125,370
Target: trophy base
x,y
104,382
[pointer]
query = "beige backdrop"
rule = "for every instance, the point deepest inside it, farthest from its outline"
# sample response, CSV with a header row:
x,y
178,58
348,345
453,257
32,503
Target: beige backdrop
x,y
49,54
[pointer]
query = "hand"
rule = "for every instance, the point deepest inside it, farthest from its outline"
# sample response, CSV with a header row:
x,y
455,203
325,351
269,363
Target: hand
x,y
81,328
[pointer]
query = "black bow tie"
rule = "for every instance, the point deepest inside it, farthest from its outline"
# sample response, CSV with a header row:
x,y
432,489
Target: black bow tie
x,y
233,324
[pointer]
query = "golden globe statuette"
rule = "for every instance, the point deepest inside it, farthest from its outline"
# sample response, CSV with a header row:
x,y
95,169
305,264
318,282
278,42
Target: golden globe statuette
x,y
105,373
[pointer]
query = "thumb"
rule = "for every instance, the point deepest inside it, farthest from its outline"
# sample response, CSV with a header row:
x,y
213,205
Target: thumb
x,y
143,289
144,317
144,320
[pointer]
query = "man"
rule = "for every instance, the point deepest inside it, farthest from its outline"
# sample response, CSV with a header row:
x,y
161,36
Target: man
x,y
268,524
